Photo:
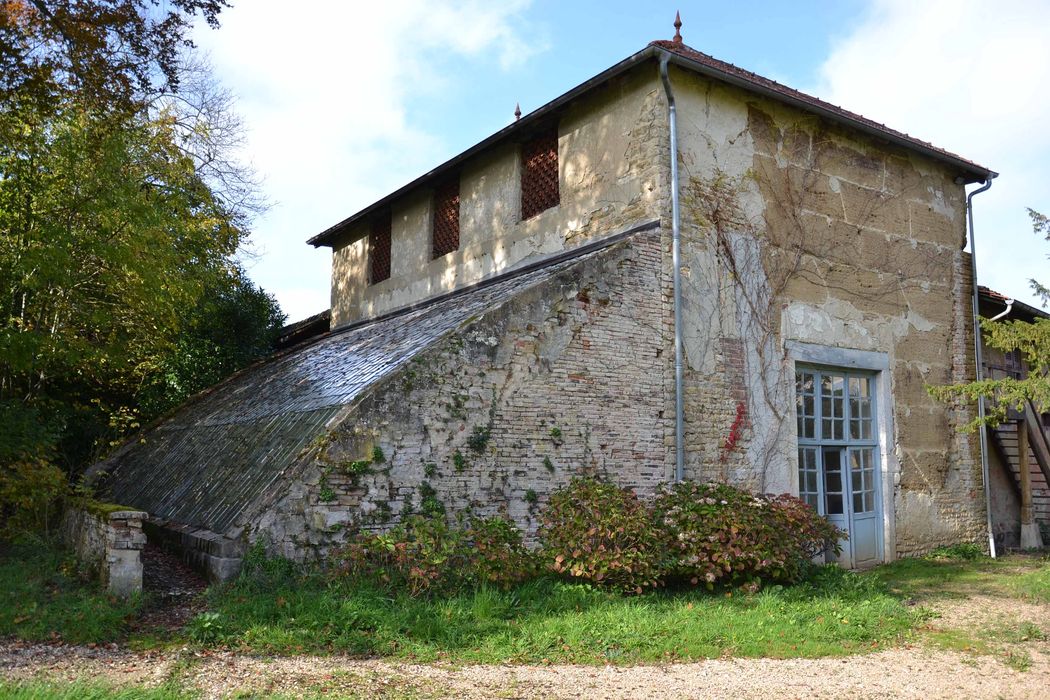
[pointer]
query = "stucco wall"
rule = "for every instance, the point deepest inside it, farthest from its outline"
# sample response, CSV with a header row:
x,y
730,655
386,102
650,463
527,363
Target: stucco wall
x,y
570,377
798,230
611,153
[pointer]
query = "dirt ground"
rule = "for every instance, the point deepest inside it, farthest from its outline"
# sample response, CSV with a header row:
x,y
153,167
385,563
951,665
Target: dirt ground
x,y
994,665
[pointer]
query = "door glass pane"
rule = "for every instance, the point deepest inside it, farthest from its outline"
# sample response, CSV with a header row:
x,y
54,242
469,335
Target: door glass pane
x,y
807,476
805,404
833,405
862,475
832,481
860,421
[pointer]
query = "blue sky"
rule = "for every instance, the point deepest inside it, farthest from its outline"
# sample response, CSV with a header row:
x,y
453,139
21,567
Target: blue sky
x,y
346,101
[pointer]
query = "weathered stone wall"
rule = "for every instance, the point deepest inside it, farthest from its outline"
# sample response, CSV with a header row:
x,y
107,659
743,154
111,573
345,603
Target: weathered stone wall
x,y
109,542
611,162
794,230
798,230
568,378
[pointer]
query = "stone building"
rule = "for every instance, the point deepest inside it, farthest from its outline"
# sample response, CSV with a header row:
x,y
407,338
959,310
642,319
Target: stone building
x,y
508,320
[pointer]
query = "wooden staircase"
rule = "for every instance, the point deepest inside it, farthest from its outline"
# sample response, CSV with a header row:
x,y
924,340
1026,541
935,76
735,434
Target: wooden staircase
x,y
1004,439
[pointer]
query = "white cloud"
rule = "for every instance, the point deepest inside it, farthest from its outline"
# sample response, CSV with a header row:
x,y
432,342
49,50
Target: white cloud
x,y
972,77
323,89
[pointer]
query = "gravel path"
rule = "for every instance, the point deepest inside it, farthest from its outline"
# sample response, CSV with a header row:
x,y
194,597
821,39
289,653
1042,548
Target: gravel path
x,y
1000,661
898,673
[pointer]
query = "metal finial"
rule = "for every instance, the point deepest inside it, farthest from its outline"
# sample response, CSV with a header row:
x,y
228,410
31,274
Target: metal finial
x,y
677,28
517,111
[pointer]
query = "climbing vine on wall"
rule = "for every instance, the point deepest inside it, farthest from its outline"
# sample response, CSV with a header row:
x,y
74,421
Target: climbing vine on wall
x,y
771,230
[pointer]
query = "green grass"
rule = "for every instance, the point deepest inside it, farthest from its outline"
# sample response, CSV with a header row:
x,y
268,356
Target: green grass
x,y
1033,585
55,690
43,597
837,613
277,609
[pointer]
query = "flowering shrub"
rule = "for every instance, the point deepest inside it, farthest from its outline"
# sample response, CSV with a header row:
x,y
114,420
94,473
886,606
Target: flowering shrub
x,y
426,556
717,533
496,553
600,533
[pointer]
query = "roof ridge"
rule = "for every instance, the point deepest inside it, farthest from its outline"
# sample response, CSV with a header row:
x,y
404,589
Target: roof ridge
x,y
718,64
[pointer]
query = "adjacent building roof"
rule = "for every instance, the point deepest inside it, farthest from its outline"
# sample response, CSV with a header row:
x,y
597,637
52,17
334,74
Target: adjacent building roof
x,y
990,295
688,58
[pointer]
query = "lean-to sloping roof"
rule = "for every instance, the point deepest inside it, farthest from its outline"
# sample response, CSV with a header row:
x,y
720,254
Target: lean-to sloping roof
x,y
215,456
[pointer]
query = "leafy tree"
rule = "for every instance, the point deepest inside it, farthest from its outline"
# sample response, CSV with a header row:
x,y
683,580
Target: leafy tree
x,y
113,54
122,212
1031,339
235,324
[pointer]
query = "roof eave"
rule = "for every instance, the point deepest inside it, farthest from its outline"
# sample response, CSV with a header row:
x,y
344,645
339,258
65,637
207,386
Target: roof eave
x,y
328,236
969,171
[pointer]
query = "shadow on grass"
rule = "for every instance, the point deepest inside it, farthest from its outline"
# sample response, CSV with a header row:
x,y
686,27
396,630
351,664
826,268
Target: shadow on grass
x,y
44,596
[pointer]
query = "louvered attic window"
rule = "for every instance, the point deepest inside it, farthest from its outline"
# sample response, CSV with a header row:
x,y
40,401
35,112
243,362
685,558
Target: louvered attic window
x,y
379,250
539,174
446,218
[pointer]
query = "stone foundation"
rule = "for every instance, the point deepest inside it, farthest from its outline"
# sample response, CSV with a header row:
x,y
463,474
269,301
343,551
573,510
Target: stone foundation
x,y
218,558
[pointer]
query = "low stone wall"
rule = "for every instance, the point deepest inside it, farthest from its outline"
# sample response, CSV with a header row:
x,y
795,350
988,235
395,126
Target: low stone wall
x,y
110,541
217,557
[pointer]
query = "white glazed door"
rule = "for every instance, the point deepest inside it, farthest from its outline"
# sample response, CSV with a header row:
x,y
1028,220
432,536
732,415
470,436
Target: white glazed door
x,y
837,457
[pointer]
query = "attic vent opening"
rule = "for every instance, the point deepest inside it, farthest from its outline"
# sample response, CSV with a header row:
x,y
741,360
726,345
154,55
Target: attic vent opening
x,y
539,174
379,250
446,219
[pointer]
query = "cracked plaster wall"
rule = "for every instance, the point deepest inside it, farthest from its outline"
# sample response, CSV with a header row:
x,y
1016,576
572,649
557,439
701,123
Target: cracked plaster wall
x,y
880,232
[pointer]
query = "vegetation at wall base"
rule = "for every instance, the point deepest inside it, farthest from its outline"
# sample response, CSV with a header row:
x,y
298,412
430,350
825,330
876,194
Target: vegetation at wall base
x,y
547,620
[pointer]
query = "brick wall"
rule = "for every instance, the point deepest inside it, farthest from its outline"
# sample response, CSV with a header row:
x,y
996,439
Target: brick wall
x,y
567,378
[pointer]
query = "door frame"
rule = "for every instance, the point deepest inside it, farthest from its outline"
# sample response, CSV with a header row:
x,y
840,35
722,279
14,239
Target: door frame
x,y
878,365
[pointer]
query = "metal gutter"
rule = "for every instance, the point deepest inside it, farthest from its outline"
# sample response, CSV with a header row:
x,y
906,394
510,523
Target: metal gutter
x,y
1005,312
979,360
676,238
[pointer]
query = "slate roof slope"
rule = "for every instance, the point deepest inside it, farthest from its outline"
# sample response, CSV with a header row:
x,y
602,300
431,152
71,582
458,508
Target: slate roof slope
x,y
216,455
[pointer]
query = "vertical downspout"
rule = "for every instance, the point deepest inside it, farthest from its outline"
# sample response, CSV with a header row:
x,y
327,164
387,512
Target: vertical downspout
x,y
676,234
978,358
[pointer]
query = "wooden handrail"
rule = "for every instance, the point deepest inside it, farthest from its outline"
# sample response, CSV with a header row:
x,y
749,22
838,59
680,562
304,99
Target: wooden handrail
x,y
1037,439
